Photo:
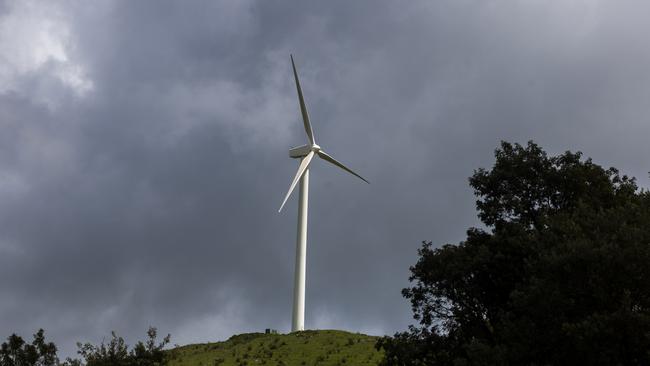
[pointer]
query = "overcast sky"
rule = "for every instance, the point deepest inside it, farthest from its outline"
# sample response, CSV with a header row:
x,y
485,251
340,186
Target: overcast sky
x,y
144,149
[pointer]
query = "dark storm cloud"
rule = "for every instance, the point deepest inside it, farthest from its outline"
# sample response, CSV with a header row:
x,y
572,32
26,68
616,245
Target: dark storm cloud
x,y
142,170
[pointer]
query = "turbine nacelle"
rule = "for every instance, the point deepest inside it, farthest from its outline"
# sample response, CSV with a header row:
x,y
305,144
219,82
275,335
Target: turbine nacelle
x,y
302,151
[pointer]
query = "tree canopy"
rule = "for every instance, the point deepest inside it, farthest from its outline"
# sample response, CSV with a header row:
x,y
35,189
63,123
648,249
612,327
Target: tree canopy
x,y
560,274
116,352
16,352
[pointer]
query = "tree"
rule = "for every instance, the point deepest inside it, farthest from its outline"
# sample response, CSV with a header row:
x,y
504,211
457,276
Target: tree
x,y
560,274
116,352
16,352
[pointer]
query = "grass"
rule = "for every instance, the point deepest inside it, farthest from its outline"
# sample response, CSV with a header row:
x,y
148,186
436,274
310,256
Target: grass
x,y
308,348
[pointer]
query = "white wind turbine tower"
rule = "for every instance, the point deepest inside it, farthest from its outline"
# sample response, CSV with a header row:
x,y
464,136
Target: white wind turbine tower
x,y
305,153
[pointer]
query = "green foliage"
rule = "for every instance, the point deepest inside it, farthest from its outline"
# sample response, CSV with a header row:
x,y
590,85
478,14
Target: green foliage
x,y
561,277
323,348
16,352
116,352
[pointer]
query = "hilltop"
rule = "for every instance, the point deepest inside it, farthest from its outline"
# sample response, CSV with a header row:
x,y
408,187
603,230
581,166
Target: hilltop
x,y
311,347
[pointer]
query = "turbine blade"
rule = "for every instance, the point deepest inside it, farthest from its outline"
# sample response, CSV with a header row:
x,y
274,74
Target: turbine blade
x,y
327,157
301,170
303,107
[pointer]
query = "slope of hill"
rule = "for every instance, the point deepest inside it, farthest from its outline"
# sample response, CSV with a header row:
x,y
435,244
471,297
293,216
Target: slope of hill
x,y
312,347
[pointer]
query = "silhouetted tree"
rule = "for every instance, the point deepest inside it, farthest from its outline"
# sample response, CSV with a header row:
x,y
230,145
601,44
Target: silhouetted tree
x,y
16,352
560,275
116,352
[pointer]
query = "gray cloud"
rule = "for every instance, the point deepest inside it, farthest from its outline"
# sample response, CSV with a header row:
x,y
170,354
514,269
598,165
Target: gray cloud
x,y
144,149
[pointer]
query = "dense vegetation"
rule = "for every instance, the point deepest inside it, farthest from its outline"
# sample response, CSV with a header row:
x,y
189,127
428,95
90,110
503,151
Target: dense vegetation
x,y
323,347
16,352
116,352
559,276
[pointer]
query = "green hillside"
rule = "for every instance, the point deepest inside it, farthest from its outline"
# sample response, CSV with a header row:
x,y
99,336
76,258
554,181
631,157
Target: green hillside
x,y
312,347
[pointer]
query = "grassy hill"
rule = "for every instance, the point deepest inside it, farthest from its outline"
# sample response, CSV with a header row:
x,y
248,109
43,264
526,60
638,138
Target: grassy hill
x,y
311,347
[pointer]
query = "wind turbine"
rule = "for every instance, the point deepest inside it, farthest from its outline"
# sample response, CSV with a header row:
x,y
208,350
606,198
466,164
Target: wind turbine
x,y
305,153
